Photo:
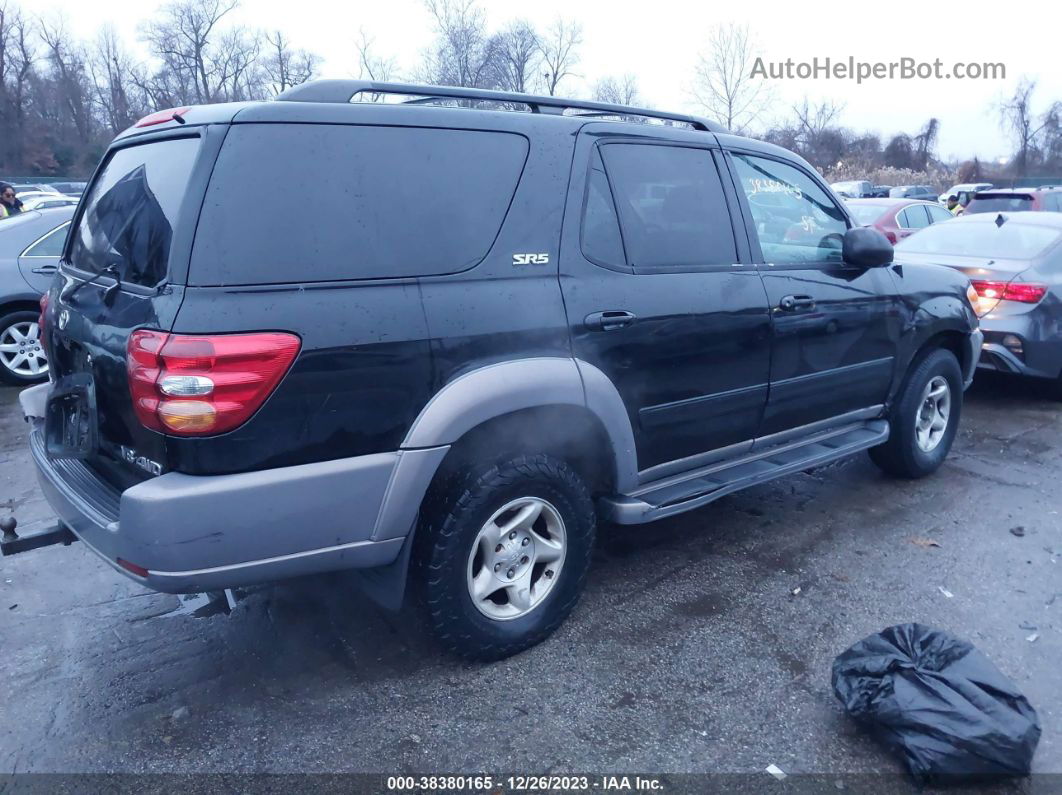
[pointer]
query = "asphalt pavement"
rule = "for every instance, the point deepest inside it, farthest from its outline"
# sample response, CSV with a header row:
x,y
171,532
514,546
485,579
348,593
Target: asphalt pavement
x,y
691,651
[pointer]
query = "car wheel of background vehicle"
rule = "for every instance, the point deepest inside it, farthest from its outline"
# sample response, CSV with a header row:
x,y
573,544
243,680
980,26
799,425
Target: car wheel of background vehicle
x,y
924,418
502,554
22,358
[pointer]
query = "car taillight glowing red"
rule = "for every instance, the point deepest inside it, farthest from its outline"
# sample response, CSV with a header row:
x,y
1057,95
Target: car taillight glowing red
x,y
194,385
40,321
1012,291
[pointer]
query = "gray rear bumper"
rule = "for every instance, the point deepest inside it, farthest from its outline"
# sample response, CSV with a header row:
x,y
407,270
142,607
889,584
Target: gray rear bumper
x,y
206,533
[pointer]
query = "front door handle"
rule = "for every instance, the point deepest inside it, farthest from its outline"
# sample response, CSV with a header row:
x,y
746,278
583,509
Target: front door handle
x,y
609,321
796,303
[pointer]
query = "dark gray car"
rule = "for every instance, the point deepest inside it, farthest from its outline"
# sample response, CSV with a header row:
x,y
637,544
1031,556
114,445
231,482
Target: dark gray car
x,y
30,246
1014,261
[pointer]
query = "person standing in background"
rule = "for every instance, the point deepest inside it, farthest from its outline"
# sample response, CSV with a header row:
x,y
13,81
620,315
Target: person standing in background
x,y
9,203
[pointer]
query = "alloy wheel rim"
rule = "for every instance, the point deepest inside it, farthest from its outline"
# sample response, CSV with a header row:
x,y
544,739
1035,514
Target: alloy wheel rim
x,y
933,414
21,350
516,558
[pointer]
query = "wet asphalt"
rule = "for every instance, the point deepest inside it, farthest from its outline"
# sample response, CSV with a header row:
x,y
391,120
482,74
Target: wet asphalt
x,y
691,650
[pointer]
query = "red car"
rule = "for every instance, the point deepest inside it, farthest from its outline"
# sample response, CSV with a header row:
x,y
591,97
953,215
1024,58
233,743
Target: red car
x,y
896,218
1012,200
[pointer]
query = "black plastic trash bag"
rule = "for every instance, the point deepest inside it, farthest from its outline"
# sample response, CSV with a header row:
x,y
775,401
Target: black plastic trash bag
x,y
939,702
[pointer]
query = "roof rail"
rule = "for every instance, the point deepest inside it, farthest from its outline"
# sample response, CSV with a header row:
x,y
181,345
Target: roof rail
x,y
332,90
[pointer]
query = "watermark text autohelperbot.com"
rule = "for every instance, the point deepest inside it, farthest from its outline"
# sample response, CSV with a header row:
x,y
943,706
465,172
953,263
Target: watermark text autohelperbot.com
x,y
862,71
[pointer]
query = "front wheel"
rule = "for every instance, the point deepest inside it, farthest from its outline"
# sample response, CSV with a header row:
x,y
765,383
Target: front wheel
x,y
924,418
502,553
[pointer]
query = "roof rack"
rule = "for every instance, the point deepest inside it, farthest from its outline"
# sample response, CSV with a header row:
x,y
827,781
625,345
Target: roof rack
x,y
331,90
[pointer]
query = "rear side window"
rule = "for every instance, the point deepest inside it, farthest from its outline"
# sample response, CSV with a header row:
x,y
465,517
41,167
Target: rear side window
x,y
602,242
130,213
671,206
51,245
914,217
938,214
305,203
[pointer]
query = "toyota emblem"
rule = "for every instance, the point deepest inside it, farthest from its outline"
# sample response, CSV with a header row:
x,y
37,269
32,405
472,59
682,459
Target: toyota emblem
x,y
64,318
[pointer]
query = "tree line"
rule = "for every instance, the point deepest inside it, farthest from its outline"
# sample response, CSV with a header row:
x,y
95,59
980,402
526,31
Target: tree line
x,y
62,99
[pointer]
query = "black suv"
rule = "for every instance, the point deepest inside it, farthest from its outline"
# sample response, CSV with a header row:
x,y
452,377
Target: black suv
x,y
443,337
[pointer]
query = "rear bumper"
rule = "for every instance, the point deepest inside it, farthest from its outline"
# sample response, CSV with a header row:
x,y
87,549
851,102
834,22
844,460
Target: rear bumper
x,y
206,533
1041,345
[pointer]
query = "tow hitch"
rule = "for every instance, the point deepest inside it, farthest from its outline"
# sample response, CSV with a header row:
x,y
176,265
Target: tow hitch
x,y
12,543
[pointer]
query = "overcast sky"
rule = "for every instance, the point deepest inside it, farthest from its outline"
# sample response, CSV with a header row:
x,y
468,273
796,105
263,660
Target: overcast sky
x,y
659,42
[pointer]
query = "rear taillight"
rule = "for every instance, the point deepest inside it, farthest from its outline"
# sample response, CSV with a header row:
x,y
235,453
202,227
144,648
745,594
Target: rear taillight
x,y
187,385
43,333
1023,292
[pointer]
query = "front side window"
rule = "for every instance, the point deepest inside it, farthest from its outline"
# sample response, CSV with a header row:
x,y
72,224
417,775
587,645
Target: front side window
x,y
796,221
938,214
51,245
671,206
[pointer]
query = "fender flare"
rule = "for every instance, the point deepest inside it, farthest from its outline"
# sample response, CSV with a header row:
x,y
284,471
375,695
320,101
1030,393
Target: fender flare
x,y
498,389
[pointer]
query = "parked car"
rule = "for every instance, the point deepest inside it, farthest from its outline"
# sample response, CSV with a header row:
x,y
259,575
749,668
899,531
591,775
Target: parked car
x,y
1015,263
26,187
896,218
855,189
880,192
48,202
1012,200
451,372
30,245
70,188
967,189
924,192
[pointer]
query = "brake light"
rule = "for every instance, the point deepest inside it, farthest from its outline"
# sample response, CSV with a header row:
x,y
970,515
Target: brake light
x,y
163,116
40,321
1013,291
192,385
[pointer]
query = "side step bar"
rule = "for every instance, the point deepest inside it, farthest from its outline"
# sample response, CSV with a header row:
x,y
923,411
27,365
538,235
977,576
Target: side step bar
x,y
690,490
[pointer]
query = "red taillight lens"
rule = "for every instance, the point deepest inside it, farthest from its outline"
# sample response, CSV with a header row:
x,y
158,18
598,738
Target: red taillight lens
x,y
188,385
1012,291
40,321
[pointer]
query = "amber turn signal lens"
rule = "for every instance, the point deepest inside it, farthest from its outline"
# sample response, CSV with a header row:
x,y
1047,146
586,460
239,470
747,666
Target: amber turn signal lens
x,y
187,415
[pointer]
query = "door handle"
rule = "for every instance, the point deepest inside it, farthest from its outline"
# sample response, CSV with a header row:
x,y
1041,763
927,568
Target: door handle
x,y
47,269
795,303
609,321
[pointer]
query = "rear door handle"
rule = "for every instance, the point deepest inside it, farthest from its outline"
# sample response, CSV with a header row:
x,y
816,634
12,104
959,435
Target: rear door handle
x,y
46,269
609,321
794,303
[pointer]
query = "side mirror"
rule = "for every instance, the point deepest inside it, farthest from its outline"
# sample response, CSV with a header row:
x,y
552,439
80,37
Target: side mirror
x,y
866,247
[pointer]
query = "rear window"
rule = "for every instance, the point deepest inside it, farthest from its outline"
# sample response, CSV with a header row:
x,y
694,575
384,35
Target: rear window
x,y
132,208
304,203
866,214
999,204
1012,240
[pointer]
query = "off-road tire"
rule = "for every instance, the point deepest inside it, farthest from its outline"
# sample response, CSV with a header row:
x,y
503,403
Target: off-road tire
x,y
901,456
453,515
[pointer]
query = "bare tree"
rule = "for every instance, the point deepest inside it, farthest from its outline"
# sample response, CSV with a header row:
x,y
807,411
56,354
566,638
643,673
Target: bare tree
x,y
17,60
70,86
1016,117
924,144
518,55
617,91
118,100
370,65
463,53
199,62
559,48
723,81
284,67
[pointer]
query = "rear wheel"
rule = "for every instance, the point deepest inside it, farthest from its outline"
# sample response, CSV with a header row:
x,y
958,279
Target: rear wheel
x,y
22,358
924,418
502,554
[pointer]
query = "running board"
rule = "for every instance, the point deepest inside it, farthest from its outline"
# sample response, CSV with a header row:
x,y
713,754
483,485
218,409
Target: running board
x,y
674,495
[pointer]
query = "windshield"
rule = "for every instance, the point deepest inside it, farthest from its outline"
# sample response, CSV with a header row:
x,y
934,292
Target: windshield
x,y
131,211
865,214
1011,241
